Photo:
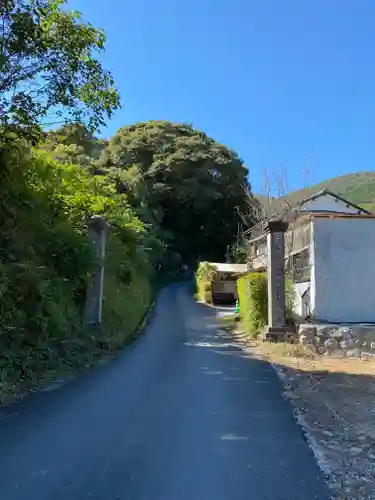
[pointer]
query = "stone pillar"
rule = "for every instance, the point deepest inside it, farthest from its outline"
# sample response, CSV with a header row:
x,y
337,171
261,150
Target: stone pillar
x,y
97,233
276,328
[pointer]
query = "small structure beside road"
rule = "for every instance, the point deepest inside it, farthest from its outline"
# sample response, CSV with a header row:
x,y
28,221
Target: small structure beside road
x,y
224,286
217,281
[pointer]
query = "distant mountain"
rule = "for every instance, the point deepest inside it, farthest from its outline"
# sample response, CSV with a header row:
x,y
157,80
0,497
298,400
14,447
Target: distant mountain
x,y
359,188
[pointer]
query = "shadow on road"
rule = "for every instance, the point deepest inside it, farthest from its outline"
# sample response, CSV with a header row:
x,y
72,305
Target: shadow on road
x,y
187,413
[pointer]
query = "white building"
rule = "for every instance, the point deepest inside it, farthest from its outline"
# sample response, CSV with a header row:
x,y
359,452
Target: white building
x,y
330,254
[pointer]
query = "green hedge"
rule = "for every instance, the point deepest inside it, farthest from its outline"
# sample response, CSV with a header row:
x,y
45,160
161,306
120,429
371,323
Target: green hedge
x,y
253,301
204,277
252,294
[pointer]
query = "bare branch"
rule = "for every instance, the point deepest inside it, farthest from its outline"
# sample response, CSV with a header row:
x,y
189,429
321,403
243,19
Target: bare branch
x,y
306,174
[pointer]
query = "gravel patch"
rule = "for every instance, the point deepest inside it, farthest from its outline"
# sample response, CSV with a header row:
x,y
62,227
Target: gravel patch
x,y
334,401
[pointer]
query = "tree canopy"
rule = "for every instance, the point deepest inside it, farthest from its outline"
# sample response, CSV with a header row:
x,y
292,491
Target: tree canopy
x,y
74,143
50,69
196,187
189,190
171,194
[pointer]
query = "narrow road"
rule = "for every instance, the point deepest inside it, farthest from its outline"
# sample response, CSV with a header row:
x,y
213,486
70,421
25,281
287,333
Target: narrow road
x,y
184,414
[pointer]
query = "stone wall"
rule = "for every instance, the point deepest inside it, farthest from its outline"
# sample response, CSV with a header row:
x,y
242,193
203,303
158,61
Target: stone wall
x,y
332,340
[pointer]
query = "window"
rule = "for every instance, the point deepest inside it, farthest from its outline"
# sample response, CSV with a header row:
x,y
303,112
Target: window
x,y
299,266
261,248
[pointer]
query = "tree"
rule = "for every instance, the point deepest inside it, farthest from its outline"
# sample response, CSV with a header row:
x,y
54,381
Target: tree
x,y
237,252
195,186
74,143
49,68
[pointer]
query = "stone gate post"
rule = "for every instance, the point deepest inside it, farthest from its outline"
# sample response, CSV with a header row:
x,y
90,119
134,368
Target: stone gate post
x,y
97,234
276,328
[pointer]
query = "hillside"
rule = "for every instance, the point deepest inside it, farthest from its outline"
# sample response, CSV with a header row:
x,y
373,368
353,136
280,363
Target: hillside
x,y
359,188
170,194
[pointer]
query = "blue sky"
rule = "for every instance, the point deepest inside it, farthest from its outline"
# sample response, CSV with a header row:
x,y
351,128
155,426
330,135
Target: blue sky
x,y
287,82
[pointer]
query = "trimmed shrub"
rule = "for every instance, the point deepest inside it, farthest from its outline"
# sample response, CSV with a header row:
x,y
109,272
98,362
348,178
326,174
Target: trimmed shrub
x,y
204,277
253,301
252,294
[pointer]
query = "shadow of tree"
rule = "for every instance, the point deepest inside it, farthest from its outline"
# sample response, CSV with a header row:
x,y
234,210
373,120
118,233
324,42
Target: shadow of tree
x,y
333,400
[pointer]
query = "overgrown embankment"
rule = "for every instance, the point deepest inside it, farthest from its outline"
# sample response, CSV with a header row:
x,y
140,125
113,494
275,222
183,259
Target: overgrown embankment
x,y
45,263
171,194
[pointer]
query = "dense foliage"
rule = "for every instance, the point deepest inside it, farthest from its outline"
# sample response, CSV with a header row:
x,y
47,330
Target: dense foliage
x,y
237,253
190,191
204,277
45,262
50,69
253,299
74,143
252,294
170,194
195,188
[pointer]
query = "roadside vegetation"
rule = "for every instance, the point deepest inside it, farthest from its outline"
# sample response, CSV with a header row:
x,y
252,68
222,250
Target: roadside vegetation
x,y
171,194
253,302
204,277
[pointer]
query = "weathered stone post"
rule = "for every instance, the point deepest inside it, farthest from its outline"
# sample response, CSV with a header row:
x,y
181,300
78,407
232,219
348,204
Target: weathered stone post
x,y
97,233
276,329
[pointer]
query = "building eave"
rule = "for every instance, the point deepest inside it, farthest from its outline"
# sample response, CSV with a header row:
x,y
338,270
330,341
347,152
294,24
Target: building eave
x,y
325,191
337,215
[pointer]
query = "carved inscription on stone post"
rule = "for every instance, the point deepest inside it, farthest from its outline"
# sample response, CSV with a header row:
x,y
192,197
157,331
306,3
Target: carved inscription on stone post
x,y
276,273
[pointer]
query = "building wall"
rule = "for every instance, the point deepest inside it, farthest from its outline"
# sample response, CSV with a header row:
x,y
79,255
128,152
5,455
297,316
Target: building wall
x,y
297,237
343,269
225,287
312,268
259,263
327,203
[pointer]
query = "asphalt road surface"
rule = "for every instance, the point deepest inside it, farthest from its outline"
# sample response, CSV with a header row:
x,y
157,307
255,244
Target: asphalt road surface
x,y
184,414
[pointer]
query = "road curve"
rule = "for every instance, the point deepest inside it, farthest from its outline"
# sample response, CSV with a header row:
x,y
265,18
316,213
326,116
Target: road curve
x,y
184,414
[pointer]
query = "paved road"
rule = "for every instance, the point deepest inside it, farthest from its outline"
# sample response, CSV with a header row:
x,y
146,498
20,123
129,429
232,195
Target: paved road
x,y
184,414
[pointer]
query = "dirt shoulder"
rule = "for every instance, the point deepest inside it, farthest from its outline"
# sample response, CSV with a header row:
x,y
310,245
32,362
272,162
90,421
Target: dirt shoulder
x,y
334,401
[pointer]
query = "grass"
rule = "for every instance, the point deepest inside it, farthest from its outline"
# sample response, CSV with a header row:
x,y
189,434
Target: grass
x,y
76,356
125,312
